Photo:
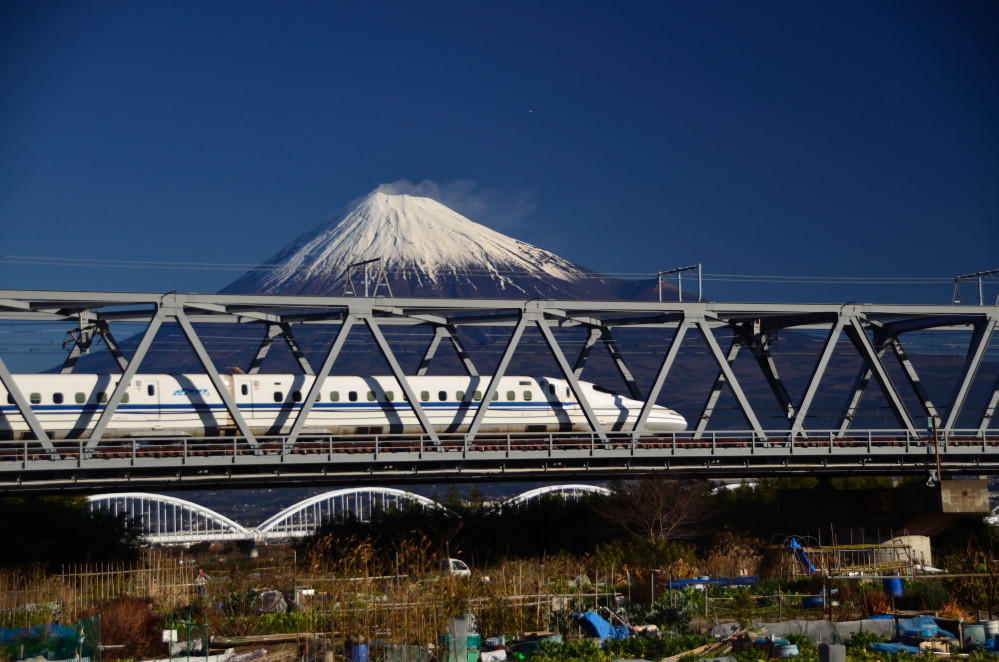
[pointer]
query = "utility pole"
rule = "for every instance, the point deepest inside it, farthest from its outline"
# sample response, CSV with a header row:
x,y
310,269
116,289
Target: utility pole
x,y
381,281
679,280
979,276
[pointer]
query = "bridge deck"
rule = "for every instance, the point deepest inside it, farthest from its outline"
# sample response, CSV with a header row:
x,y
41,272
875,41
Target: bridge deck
x,y
232,461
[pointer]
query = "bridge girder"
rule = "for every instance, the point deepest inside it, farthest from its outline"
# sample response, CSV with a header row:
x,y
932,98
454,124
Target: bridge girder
x,y
872,330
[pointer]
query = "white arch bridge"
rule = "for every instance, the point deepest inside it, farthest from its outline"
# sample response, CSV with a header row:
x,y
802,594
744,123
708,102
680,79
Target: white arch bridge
x,y
169,520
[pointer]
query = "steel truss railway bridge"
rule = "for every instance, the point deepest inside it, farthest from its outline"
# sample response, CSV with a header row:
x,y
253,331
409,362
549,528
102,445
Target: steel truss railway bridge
x,y
169,520
871,361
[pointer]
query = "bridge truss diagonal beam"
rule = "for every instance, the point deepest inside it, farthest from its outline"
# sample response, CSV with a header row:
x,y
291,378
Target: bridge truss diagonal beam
x,y
858,336
320,378
400,378
498,373
24,408
909,370
990,410
718,387
723,365
570,377
442,331
798,424
759,345
274,330
980,339
660,379
123,382
213,374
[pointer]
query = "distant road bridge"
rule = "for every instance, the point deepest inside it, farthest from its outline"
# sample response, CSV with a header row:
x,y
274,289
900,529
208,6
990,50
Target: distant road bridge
x,y
168,520
766,388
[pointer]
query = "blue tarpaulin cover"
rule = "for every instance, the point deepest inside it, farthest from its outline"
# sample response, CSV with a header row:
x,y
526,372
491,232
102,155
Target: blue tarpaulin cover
x,y
40,632
894,649
595,625
922,626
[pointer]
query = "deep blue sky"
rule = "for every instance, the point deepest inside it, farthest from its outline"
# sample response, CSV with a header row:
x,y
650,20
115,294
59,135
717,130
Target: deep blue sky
x,y
803,139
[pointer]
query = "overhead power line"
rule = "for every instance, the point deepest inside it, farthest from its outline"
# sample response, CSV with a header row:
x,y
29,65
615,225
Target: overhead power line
x,y
652,276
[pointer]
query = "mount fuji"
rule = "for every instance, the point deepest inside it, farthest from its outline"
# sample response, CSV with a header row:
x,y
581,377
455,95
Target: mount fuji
x,y
426,250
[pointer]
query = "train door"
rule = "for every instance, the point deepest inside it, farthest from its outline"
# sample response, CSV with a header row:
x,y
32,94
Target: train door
x,y
149,394
243,391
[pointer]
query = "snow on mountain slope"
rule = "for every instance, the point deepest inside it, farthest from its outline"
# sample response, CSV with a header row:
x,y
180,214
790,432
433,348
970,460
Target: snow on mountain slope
x,y
426,249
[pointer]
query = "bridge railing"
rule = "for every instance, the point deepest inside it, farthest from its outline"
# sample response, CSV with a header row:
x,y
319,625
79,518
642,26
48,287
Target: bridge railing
x,y
279,448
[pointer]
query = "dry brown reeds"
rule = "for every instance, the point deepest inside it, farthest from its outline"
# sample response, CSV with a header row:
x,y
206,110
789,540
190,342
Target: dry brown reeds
x,y
128,628
350,589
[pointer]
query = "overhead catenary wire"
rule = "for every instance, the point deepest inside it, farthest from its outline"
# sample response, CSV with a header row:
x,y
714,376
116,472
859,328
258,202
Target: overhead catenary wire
x,y
244,267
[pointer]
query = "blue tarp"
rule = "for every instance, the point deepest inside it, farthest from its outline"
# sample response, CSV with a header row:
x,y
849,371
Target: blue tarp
x,y
38,632
894,649
922,626
595,625
54,642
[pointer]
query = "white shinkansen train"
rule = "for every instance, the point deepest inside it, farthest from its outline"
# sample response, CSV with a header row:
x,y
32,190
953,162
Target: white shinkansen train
x,y
68,405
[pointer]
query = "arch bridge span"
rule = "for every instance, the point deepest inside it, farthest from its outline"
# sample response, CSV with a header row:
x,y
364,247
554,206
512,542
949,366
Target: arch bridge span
x,y
764,388
168,520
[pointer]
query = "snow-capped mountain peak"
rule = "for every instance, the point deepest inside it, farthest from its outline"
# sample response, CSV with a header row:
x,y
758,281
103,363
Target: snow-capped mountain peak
x,y
425,248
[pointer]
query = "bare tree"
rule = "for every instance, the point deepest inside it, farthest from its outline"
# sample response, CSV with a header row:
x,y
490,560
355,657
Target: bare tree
x,y
659,509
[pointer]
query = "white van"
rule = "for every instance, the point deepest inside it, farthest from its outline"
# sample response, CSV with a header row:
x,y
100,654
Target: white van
x,y
455,568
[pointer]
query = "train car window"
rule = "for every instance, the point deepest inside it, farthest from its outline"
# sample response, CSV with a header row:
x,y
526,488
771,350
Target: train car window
x,y
334,396
57,398
424,395
352,396
567,393
10,399
371,396
477,395
459,396
511,396
151,389
244,389
124,398
319,397
296,396
389,396
102,397
495,396
35,398
551,389
442,395
80,398
278,396
527,395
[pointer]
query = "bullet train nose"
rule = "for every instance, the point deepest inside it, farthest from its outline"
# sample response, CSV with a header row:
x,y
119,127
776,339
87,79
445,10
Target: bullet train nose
x,y
662,419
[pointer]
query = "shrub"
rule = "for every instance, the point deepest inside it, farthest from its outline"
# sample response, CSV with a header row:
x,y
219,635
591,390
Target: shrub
x,y
129,629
